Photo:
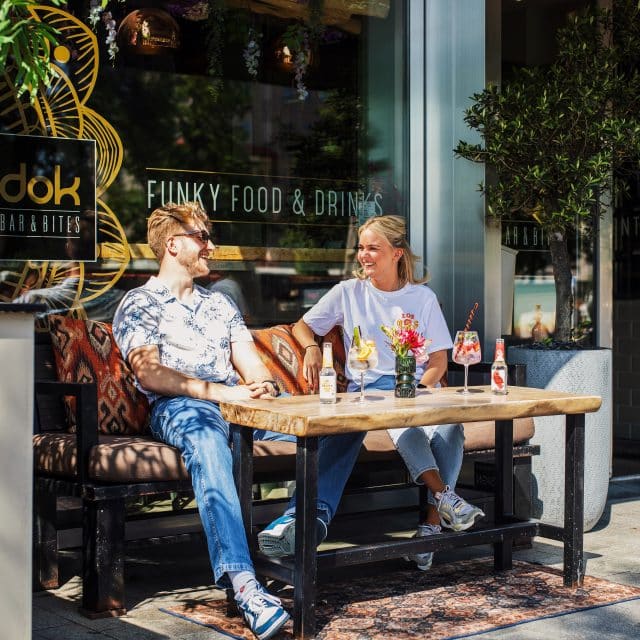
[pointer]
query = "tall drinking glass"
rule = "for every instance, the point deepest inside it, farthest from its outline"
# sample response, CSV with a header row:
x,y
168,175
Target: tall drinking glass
x,y
466,351
362,358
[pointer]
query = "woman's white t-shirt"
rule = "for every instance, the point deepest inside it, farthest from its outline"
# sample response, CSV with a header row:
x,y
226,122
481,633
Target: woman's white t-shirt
x,y
357,302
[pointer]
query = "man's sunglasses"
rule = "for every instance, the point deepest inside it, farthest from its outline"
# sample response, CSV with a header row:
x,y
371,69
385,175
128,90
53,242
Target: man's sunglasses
x,y
201,234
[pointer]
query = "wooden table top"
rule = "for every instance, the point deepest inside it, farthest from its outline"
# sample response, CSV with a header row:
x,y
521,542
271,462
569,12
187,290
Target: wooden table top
x,y
305,416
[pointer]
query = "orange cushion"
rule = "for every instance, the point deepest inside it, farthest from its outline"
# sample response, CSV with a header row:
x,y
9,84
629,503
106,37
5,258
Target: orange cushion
x,y
85,351
283,356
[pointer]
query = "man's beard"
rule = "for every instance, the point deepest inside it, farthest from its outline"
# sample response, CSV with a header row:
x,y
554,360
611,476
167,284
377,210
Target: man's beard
x,y
193,265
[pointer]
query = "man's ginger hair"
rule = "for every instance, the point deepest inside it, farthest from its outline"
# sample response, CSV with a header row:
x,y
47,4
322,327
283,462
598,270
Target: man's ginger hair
x,y
169,220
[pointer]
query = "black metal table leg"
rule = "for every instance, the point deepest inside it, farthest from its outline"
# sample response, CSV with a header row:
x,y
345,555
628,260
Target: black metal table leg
x,y
305,578
242,443
502,551
574,501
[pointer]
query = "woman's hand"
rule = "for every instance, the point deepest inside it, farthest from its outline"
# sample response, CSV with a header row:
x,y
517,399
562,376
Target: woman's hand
x,y
312,362
311,366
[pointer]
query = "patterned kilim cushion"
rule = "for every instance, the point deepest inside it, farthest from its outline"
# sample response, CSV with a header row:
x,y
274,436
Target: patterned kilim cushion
x,y
85,351
283,356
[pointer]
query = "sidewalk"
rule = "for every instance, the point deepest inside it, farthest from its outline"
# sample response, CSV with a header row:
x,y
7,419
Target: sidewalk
x,y
612,551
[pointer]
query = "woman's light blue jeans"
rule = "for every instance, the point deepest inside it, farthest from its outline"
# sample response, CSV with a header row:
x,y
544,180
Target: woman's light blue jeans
x,y
439,447
197,429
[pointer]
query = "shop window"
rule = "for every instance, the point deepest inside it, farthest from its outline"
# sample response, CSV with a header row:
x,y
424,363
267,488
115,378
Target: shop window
x,y
528,39
286,120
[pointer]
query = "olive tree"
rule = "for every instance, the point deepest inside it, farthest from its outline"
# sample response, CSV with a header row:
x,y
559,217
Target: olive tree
x,y
555,138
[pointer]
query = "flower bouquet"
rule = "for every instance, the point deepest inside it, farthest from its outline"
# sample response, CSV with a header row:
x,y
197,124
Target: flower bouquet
x,y
405,339
410,347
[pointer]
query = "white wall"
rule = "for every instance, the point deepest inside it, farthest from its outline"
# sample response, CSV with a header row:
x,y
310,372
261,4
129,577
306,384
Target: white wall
x,y
16,472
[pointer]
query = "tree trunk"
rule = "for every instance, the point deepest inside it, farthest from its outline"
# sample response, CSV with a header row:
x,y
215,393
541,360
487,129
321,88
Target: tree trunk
x,y
562,276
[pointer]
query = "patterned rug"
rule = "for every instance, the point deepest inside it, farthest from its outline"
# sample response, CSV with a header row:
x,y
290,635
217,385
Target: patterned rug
x,y
450,601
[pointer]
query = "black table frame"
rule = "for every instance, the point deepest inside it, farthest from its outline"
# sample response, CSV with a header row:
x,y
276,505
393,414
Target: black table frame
x,y
302,570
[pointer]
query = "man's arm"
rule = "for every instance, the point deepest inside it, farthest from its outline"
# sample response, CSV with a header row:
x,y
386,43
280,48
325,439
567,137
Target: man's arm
x,y
247,362
155,377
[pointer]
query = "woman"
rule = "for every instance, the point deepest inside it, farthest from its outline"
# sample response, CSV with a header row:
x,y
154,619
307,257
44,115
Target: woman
x,y
384,289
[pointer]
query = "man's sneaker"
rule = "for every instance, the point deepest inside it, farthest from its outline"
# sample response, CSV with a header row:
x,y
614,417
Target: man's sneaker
x,y
423,560
262,612
456,513
279,538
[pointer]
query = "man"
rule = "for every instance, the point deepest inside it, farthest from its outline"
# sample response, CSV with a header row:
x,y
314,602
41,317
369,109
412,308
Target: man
x,y
188,348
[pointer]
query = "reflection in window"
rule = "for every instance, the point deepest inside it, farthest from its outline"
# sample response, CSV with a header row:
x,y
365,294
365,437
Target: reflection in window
x,y
285,122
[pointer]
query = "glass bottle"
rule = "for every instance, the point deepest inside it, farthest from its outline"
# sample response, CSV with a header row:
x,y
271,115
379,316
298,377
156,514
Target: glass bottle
x,y
499,370
327,375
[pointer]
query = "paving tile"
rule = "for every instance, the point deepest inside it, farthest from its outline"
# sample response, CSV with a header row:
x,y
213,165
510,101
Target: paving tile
x,y
150,628
45,618
71,632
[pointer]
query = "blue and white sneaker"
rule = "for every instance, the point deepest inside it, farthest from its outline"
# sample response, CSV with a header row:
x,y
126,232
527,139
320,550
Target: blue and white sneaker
x,y
456,513
423,560
279,538
262,612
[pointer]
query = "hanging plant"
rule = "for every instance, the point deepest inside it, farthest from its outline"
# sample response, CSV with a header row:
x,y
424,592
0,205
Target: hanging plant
x,y
296,51
110,26
252,52
98,13
300,39
214,44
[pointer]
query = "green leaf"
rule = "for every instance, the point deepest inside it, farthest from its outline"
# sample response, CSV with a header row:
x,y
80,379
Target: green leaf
x,y
23,41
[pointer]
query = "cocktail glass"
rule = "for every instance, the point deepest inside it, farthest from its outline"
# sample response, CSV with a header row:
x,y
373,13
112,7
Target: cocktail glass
x,y
466,351
362,358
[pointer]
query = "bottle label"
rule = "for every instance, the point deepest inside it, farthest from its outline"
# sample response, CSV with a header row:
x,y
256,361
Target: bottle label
x,y
498,380
327,355
327,388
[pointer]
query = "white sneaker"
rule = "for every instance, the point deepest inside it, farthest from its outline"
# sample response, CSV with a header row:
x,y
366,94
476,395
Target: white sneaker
x,y
423,560
456,513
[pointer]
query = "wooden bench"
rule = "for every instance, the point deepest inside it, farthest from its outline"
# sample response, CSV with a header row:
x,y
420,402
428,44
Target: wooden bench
x,y
105,471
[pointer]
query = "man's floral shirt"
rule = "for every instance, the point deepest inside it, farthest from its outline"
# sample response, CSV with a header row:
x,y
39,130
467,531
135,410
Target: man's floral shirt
x,y
195,339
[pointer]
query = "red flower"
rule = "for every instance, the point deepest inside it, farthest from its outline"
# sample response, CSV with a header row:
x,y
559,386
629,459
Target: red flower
x,y
405,338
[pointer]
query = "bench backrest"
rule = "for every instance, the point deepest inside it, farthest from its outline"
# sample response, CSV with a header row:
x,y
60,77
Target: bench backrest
x,y
73,355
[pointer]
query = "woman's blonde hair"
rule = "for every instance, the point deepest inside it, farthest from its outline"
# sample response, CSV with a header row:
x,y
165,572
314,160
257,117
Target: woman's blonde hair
x,y
168,220
394,230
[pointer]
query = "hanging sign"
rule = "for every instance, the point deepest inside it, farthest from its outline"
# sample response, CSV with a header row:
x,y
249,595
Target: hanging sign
x,y
47,198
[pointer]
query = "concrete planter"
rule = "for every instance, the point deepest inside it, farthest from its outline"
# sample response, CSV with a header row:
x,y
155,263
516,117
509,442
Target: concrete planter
x,y
580,371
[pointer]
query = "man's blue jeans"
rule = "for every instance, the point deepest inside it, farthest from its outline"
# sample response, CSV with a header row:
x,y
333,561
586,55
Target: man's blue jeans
x,y
196,428
439,447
